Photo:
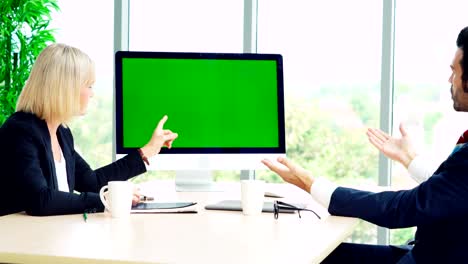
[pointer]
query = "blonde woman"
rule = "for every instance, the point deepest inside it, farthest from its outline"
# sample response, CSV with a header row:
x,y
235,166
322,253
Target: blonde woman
x,y
40,167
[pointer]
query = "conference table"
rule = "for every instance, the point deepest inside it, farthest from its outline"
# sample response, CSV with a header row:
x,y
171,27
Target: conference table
x,y
208,236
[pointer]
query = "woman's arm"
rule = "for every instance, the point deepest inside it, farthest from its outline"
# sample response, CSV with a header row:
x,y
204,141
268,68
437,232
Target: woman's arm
x,y
88,180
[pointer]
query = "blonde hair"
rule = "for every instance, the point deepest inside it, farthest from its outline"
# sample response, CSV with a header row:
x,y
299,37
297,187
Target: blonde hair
x,y
52,91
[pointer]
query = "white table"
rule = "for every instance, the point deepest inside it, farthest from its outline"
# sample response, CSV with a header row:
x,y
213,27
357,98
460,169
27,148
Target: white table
x,y
206,237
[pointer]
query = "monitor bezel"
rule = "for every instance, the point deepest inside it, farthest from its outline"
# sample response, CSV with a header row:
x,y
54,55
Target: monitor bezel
x,y
120,55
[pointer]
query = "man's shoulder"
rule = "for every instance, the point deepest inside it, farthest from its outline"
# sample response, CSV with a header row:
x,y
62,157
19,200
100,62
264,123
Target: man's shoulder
x,y
459,151
456,162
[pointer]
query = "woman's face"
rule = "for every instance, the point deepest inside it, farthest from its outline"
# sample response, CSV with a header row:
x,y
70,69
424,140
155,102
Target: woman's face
x,y
86,92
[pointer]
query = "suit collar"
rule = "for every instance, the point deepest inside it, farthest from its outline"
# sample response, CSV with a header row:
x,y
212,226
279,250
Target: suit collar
x,y
66,146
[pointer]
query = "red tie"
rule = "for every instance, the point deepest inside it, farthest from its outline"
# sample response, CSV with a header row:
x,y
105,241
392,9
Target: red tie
x,y
463,138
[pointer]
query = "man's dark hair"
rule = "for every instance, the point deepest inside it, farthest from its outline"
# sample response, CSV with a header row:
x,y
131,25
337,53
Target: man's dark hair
x,y
462,43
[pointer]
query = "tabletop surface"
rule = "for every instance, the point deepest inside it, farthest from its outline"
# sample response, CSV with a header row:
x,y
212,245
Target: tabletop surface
x,y
206,237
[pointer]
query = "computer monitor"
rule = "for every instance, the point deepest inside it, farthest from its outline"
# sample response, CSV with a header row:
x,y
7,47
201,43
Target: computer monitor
x,y
228,108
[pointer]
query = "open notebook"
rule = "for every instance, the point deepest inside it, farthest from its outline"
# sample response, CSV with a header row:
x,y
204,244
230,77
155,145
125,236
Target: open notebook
x,y
175,207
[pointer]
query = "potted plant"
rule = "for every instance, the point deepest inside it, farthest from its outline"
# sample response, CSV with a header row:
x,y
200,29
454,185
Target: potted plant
x,y
23,35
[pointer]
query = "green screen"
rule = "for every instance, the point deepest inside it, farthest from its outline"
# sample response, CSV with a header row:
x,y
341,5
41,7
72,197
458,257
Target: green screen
x,y
211,103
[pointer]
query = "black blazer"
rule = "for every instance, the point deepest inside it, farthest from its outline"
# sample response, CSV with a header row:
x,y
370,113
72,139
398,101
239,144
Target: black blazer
x,y
27,170
438,207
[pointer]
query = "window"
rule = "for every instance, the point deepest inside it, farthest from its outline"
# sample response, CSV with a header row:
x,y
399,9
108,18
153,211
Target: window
x,y
331,60
186,26
91,30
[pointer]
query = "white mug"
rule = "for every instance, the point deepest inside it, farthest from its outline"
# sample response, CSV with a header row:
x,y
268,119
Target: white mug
x,y
252,192
117,198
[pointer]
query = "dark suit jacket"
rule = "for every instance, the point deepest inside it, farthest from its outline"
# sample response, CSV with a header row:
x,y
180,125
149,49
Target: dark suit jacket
x,y
27,170
438,207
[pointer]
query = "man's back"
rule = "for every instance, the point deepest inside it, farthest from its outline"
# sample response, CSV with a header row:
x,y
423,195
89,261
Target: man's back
x,y
447,237
438,207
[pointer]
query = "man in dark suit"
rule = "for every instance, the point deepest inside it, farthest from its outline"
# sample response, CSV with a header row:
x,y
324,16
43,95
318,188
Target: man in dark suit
x,y
438,207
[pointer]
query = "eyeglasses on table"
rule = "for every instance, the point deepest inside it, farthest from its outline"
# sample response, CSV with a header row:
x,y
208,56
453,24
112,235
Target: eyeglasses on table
x,y
278,205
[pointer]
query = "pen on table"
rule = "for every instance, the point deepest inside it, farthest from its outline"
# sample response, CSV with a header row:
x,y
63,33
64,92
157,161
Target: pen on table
x,y
85,217
144,198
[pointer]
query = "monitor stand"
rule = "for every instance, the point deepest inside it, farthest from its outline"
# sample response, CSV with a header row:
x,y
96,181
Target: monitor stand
x,y
196,181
